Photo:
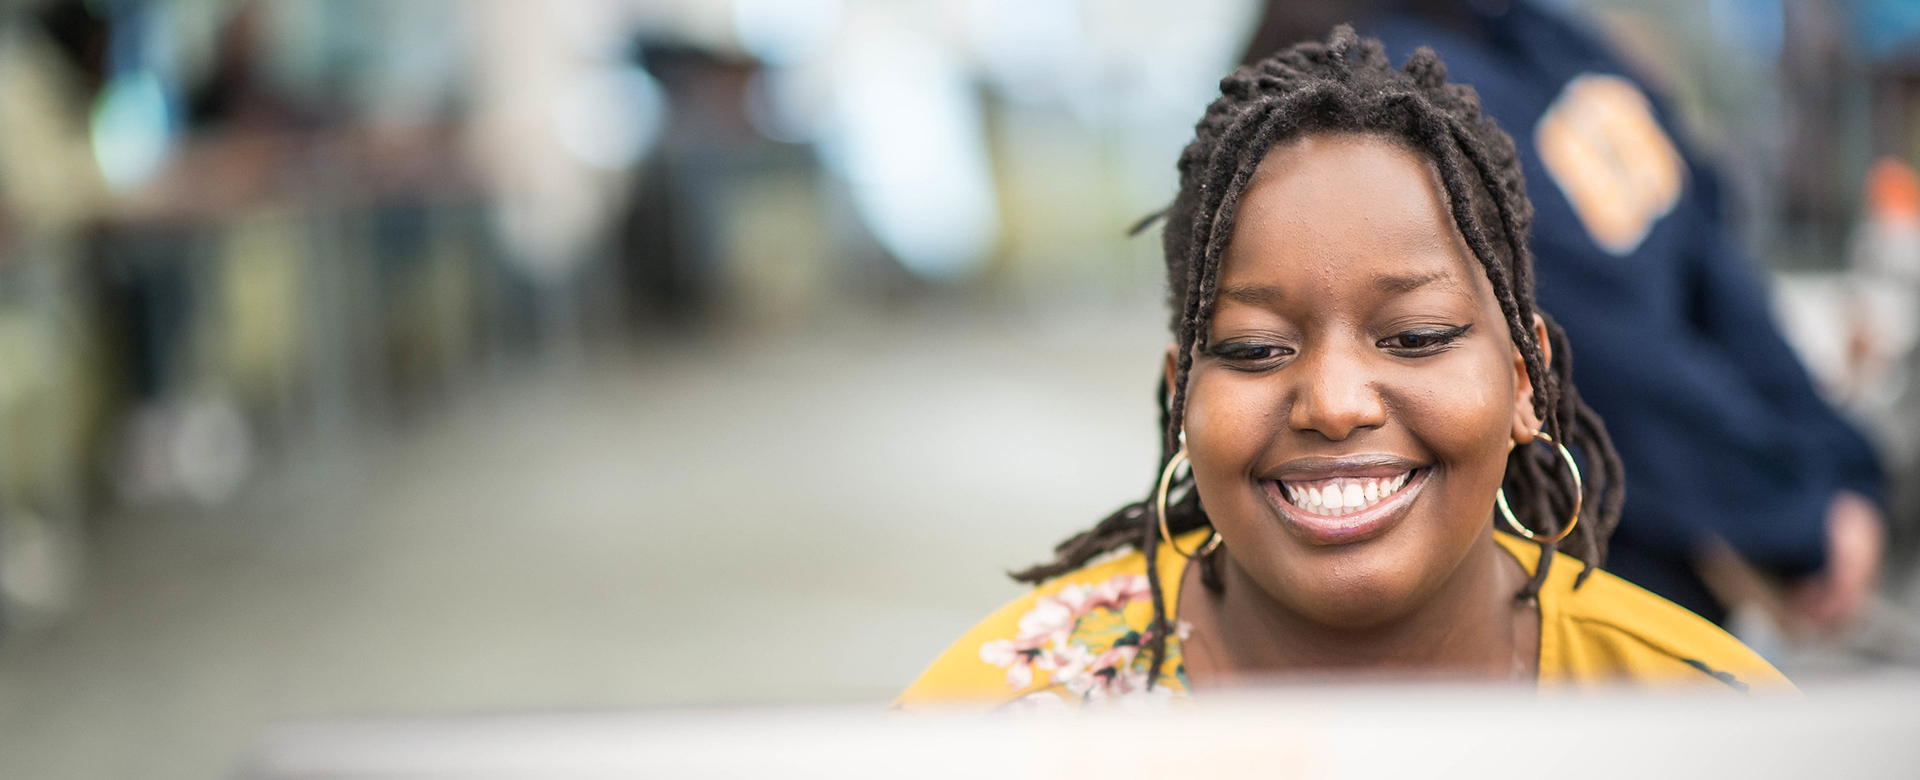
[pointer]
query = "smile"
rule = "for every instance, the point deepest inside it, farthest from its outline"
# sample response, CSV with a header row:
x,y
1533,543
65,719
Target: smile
x,y
1342,496
1330,509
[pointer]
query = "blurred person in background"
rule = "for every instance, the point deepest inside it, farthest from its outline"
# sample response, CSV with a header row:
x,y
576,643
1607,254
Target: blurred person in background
x,y
1359,381
1725,439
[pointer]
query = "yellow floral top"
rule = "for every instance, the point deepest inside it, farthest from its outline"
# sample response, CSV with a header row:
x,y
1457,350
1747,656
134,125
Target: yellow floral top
x,y
1082,638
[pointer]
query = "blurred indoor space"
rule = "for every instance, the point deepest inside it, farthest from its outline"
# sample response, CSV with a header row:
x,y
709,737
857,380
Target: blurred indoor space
x,y
390,358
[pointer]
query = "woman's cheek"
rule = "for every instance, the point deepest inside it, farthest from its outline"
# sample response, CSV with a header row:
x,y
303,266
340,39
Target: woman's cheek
x,y
1226,437
1468,411
1227,417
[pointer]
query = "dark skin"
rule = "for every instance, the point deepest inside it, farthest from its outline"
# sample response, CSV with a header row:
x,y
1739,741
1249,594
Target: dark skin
x,y
1355,340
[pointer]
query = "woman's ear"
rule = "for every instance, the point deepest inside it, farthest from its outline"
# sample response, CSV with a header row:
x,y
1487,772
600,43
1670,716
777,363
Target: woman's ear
x,y
1525,421
1173,366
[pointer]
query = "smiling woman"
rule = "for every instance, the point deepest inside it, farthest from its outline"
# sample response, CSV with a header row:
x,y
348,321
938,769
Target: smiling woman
x,y
1357,383
1346,353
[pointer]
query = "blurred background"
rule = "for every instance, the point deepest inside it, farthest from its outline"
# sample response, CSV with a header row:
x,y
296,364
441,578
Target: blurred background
x,y
437,356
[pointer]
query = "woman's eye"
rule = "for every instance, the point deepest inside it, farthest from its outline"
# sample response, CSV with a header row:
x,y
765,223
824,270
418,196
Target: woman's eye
x,y
1249,352
1424,340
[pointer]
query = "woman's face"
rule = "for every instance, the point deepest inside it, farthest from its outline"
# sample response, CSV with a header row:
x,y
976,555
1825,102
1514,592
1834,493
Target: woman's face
x,y
1350,413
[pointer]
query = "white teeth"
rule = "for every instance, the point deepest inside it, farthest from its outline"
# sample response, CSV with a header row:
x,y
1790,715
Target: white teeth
x,y
1343,495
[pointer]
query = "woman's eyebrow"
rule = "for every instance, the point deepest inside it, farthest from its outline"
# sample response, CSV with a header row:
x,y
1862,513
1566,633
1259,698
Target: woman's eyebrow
x,y
1266,294
1253,294
1406,283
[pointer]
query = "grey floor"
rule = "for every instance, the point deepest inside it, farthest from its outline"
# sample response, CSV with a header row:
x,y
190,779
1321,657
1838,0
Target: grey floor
x,y
757,518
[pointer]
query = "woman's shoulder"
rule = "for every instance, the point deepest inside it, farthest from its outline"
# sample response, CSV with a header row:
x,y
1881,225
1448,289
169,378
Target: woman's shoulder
x,y
1078,637
1606,629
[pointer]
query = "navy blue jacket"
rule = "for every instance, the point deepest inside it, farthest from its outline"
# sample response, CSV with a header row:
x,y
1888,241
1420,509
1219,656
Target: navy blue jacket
x,y
1719,425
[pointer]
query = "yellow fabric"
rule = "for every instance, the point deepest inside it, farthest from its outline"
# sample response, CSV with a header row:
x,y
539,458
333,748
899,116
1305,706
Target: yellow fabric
x,y
1072,635
1610,631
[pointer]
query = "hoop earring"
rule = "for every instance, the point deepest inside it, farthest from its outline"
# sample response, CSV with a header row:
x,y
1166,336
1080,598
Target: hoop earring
x,y
1579,493
1160,505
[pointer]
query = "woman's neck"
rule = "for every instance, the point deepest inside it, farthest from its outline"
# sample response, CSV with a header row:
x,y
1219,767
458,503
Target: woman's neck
x,y
1471,627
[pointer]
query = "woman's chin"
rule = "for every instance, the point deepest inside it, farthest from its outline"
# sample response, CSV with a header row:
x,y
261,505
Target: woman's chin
x,y
1355,588
1366,586
1356,606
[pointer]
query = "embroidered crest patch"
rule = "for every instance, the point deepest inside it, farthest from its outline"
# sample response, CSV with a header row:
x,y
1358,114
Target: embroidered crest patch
x,y
1603,147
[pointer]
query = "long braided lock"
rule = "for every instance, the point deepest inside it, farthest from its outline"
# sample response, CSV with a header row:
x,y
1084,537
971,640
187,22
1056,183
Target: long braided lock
x,y
1347,85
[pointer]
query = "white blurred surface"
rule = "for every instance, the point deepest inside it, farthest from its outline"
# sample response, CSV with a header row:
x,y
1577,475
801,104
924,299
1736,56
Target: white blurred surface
x,y
1857,731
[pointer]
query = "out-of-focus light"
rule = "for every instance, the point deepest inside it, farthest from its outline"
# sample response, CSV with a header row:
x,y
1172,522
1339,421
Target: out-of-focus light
x,y
131,130
212,451
782,32
612,118
1755,28
37,570
779,106
201,450
1028,47
911,145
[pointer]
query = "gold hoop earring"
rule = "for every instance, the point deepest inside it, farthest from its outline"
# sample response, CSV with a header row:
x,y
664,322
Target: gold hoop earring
x,y
1579,493
1160,505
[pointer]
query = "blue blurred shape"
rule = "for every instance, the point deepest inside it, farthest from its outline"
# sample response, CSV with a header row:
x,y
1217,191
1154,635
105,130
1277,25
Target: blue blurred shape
x,y
132,129
1755,28
1887,28
782,32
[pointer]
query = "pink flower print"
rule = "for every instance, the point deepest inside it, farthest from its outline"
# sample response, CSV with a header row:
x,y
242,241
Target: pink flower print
x,y
1118,592
1020,676
1072,597
1110,672
1080,636
998,652
1015,657
1049,619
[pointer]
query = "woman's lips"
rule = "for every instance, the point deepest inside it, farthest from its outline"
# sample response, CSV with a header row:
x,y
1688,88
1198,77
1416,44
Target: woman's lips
x,y
1327,518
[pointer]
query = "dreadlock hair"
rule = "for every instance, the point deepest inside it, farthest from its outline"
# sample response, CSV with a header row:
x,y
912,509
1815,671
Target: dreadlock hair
x,y
1347,85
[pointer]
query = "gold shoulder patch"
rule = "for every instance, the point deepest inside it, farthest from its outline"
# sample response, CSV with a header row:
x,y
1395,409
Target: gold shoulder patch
x,y
1605,150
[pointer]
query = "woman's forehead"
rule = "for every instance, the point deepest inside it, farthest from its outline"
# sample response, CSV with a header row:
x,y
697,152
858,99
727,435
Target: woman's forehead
x,y
1328,207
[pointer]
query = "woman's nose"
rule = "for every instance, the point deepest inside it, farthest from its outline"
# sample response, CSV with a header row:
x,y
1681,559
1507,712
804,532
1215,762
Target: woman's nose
x,y
1335,395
